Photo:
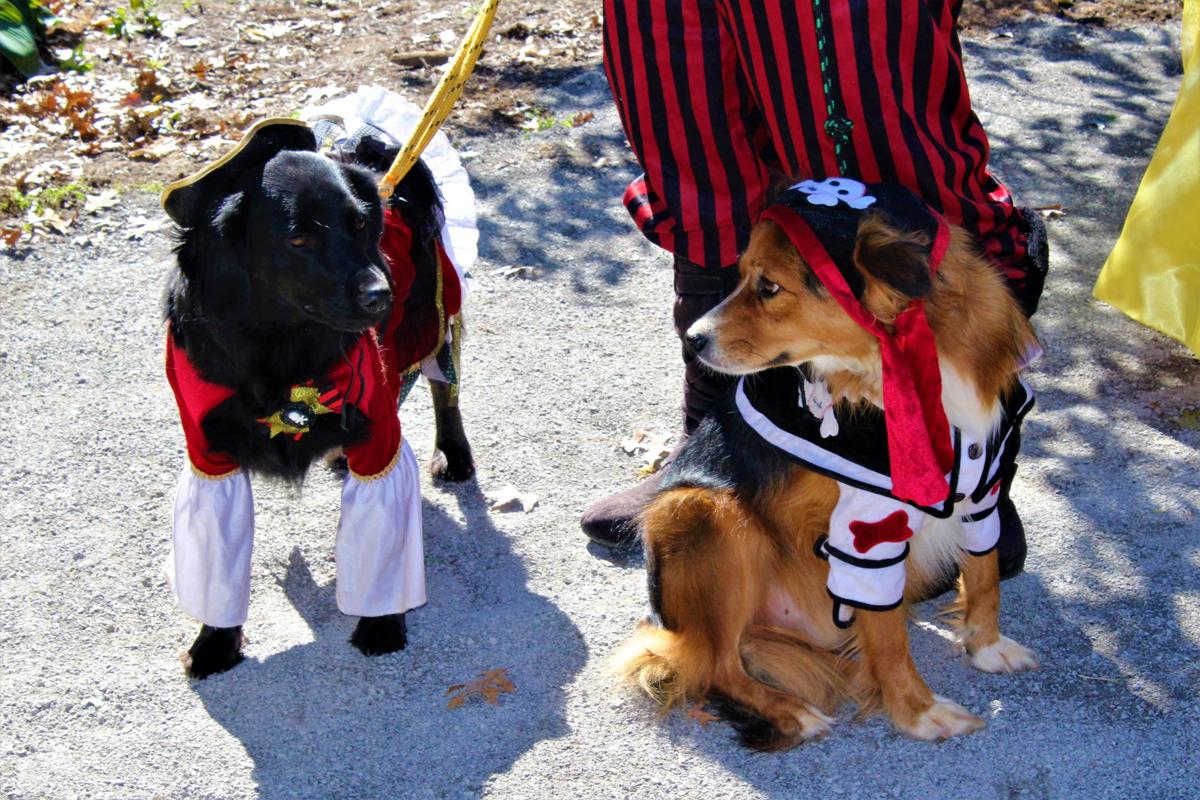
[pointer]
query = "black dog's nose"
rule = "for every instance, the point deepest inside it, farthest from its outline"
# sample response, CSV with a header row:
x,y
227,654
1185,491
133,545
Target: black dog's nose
x,y
374,295
375,300
697,342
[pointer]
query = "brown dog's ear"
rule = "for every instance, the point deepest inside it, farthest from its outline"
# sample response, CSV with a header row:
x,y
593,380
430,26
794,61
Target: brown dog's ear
x,y
894,263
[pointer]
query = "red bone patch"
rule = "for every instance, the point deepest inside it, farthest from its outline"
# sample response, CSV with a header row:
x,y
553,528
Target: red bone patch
x,y
892,528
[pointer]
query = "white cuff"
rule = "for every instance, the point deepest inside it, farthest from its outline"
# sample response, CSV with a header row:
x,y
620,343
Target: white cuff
x,y
866,548
981,524
380,550
209,567
876,588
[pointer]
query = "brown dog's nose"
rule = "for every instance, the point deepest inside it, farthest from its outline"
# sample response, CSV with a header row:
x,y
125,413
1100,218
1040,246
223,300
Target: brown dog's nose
x,y
374,294
697,342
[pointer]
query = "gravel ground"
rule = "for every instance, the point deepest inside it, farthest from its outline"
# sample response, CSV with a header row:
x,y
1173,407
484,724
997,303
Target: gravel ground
x,y
558,370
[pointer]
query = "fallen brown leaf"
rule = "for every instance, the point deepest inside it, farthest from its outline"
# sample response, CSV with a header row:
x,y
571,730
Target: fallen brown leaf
x,y
489,685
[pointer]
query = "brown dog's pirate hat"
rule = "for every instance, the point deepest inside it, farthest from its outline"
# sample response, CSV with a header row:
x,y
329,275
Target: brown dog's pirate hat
x,y
183,200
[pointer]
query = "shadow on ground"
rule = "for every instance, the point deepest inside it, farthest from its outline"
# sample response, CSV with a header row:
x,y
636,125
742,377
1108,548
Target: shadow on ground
x,y
302,735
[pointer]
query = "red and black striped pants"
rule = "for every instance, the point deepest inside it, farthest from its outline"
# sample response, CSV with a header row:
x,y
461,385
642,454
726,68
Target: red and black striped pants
x,y
721,99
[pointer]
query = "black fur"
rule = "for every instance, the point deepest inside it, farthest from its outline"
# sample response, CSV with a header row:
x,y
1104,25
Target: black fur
x,y
376,636
256,313
725,453
215,650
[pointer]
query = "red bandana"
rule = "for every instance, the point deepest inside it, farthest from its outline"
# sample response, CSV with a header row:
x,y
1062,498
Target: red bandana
x,y
919,444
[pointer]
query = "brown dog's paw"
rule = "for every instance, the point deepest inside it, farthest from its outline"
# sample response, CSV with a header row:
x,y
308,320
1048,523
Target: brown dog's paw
x,y
451,465
786,724
812,724
215,650
1003,655
943,719
377,636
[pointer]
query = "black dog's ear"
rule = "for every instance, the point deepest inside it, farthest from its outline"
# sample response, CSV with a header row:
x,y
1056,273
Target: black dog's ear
x,y
364,184
900,260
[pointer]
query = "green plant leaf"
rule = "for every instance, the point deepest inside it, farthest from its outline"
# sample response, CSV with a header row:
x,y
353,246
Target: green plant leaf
x,y
16,40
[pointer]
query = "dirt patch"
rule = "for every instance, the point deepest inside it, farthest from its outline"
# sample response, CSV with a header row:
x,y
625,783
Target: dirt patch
x,y
977,14
156,89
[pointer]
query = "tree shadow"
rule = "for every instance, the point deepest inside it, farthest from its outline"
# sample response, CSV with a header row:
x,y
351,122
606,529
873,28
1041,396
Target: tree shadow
x,y
321,720
572,206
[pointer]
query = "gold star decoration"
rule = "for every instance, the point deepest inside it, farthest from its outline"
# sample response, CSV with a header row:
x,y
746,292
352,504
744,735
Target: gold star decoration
x,y
307,396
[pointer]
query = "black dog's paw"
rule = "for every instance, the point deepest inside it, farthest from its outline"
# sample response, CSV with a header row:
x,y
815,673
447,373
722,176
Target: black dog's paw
x,y
215,650
452,463
375,636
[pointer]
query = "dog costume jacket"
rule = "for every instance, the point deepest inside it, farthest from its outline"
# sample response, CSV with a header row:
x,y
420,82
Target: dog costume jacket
x,y
370,126
379,549
897,467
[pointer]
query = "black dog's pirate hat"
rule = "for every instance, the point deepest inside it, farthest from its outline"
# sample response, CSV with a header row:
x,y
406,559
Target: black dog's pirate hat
x,y
183,200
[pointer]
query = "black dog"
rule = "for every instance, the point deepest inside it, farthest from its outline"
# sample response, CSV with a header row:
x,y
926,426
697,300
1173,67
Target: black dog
x,y
279,274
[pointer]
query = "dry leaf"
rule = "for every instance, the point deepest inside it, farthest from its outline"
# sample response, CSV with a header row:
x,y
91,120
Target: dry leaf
x,y
155,152
49,218
528,273
99,202
489,685
655,448
635,444
140,225
510,499
699,714
10,236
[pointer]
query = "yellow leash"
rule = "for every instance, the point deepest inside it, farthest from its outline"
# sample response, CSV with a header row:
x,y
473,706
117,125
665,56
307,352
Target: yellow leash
x,y
444,96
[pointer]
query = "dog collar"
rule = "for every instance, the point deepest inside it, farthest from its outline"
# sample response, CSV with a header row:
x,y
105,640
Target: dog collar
x,y
821,218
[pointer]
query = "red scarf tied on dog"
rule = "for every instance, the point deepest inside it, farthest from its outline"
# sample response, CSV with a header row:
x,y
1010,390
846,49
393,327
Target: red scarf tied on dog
x,y
821,219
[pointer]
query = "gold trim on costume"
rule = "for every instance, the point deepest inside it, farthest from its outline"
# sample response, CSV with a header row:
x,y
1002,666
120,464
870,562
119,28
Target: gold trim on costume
x,y
225,159
440,304
199,473
383,473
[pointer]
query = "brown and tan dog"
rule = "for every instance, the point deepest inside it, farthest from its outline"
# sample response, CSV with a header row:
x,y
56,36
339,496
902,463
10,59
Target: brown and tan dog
x,y
745,614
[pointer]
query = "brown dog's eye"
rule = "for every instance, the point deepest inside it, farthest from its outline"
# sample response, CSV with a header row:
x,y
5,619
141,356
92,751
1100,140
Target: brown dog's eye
x,y
767,288
301,241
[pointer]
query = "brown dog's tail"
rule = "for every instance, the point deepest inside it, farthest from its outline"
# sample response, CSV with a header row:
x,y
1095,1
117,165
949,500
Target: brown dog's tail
x,y
663,665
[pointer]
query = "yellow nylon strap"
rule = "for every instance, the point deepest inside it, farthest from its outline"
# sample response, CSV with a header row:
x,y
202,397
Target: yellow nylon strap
x,y
443,98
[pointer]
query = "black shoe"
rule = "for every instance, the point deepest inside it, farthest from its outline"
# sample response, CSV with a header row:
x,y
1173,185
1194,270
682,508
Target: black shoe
x,y
613,521
1011,548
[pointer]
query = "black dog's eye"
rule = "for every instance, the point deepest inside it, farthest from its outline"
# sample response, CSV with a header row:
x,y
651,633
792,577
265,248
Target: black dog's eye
x,y
301,241
767,288
360,223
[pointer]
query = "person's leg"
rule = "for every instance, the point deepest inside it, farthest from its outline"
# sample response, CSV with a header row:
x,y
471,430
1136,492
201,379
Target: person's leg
x,y
612,521
703,181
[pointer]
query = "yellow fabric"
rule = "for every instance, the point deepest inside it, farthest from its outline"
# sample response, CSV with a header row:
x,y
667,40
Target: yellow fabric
x,y
1153,273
